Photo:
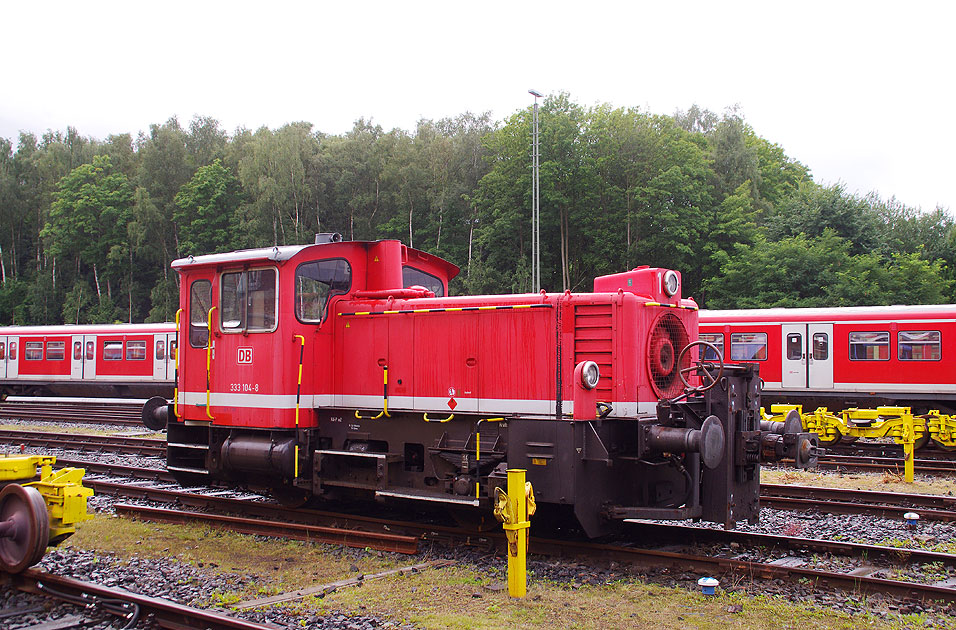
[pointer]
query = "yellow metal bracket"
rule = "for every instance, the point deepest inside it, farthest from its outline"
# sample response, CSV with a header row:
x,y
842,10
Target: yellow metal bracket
x,y
514,509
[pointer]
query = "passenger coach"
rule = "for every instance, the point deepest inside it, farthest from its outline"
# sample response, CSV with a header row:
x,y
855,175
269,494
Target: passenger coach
x,y
133,360
844,357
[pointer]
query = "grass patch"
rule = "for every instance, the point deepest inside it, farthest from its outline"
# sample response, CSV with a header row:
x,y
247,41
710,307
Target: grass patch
x,y
456,597
877,482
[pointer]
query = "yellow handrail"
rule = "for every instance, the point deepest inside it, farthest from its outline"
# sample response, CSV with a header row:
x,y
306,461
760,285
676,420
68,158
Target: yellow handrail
x,y
478,452
298,393
209,360
176,386
384,411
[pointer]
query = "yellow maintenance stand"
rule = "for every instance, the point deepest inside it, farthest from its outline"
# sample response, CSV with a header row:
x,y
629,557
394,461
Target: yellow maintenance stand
x,y
37,512
899,423
513,510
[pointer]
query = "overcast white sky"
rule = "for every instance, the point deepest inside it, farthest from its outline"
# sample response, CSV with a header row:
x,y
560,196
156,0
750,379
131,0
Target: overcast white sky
x,y
858,91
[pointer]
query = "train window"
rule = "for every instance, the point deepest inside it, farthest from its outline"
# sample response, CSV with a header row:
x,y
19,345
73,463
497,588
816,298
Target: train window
x,y
90,346
821,346
716,339
33,350
919,345
869,346
248,301
161,350
135,350
412,277
55,350
748,346
112,350
77,350
200,301
172,350
3,353
315,283
13,350
794,347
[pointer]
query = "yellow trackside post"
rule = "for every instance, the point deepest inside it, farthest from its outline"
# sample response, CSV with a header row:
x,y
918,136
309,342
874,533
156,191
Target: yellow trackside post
x,y
909,447
513,510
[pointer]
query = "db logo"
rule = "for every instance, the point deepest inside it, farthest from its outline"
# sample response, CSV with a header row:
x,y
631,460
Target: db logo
x,y
245,355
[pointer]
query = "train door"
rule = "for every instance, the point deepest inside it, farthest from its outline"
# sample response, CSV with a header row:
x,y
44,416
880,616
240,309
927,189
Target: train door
x,y
3,357
820,355
76,358
794,356
89,357
12,357
162,349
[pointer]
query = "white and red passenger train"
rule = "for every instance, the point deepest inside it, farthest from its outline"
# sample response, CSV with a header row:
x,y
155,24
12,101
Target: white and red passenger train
x,y
343,369
844,357
127,360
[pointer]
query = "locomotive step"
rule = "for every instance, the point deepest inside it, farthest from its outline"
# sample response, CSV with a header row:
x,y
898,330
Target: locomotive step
x,y
421,495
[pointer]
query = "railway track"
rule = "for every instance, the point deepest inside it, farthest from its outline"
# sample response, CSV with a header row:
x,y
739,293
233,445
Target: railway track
x,y
864,576
890,464
123,603
130,445
875,569
119,411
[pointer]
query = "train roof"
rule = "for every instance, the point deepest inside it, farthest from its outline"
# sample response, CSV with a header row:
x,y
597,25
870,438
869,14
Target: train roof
x,y
842,313
280,253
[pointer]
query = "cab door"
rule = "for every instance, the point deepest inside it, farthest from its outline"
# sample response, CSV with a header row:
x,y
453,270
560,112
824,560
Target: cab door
x,y
820,356
794,356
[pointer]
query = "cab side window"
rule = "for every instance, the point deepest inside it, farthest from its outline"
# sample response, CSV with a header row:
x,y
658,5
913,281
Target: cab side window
x,y
416,277
248,301
200,301
315,283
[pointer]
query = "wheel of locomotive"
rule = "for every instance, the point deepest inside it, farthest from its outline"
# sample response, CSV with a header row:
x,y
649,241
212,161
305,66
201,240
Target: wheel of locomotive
x,y
290,497
705,366
24,528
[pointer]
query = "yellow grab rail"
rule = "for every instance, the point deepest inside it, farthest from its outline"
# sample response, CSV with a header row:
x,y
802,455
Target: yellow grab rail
x,y
384,411
209,343
176,350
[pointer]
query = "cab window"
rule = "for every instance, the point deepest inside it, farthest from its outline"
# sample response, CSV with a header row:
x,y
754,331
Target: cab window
x,y
200,301
315,283
248,301
412,277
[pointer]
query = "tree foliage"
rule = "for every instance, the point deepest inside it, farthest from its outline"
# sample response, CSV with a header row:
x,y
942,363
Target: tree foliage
x,y
88,228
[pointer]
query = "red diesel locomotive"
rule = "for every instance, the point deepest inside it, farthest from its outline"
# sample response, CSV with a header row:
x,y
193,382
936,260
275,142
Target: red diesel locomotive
x,y
845,357
343,369
130,360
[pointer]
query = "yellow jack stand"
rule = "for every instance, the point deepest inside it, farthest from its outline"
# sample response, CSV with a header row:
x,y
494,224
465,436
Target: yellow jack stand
x,y
513,510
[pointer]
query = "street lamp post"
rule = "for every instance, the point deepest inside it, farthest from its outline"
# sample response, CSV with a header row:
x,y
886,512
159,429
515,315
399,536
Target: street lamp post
x,y
535,201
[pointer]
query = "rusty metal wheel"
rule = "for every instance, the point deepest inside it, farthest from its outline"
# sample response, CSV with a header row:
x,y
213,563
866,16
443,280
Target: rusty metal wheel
x,y
24,528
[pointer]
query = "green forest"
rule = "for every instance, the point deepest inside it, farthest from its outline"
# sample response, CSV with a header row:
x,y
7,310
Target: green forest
x,y
88,227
